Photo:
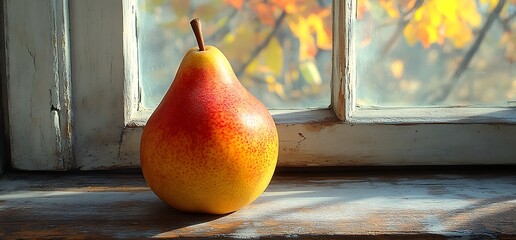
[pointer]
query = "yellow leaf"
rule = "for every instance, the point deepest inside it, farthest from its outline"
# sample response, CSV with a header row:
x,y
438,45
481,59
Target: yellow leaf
x,y
289,6
427,36
272,57
252,68
397,68
268,62
270,79
301,29
278,89
438,20
445,8
323,40
463,39
433,34
435,20
469,13
418,15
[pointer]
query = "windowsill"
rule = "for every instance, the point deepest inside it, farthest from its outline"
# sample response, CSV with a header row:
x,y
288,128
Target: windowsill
x,y
294,116
362,205
439,115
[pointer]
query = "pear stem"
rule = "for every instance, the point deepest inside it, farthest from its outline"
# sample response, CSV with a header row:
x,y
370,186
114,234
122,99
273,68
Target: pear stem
x,y
196,27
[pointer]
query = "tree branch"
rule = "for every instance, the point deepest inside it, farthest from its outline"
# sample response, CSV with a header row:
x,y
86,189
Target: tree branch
x,y
509,18
450,86
262,46
505,22
222,31
402,23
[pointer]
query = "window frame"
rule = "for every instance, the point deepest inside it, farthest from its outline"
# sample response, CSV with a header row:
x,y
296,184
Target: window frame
x,y
104,125
37,87
399,115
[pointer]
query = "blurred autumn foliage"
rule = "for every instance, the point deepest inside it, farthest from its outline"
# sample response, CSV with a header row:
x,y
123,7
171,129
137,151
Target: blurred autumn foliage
x,y
281,49
459,52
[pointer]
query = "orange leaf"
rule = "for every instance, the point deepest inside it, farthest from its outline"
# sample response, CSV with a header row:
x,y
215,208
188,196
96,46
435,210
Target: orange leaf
x,y
238,4
265,13
410,33
390,8
425,40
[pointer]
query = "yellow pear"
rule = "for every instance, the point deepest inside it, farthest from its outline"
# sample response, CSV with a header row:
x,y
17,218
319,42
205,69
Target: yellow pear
x,y
210,146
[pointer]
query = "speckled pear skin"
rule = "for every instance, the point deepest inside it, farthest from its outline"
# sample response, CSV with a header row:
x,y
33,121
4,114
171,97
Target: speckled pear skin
x,y
210,146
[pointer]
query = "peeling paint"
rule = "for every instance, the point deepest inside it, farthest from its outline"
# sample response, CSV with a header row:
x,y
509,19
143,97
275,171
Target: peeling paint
x,y
37,123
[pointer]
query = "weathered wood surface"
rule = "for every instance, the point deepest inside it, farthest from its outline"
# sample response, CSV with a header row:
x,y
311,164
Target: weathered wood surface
x,y
96,34
38,84
326,142
356,206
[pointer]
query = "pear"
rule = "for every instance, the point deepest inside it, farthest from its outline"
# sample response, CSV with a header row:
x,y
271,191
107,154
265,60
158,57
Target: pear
x,y
210,146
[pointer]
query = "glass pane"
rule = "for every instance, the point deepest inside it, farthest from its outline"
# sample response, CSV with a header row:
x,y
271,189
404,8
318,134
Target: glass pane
x,y
280,50
436,53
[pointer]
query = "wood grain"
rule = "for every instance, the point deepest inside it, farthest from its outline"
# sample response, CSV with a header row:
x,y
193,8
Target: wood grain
x,y
38,84
325,205
96,33
327,142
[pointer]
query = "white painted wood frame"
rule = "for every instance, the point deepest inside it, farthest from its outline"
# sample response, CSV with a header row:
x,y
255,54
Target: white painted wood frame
x,y
38,84
107,122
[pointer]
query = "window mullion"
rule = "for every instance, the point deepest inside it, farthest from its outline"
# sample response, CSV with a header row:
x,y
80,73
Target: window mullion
x,y
343,77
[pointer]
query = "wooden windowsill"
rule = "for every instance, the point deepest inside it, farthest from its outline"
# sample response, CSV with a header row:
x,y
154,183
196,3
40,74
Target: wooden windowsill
x,y
365,205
